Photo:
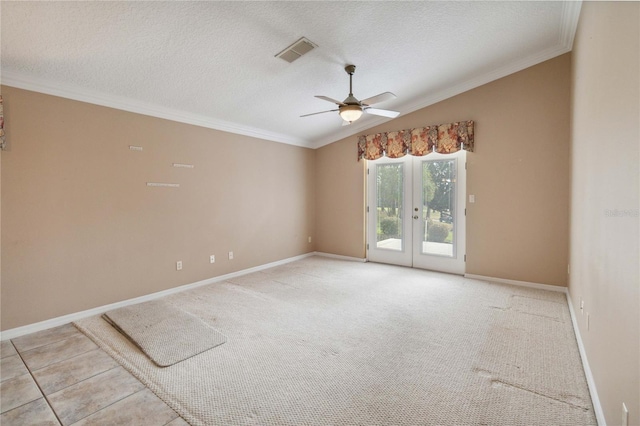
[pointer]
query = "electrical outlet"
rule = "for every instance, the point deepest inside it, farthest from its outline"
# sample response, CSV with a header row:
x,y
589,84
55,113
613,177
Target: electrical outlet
x,y
625,415
309,239
179,265
230,255
212,259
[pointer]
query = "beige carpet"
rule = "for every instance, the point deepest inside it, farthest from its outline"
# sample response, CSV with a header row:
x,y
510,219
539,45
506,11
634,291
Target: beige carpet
x,y
328,342
164,332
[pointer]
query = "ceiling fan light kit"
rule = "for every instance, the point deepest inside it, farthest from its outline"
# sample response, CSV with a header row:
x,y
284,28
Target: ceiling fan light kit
x,y
350,113
352,109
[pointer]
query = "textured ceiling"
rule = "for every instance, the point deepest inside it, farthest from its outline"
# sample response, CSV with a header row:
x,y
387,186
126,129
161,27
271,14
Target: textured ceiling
x,y
212,63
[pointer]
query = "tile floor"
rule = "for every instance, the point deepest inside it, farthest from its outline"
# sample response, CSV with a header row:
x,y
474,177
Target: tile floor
x,y
59,376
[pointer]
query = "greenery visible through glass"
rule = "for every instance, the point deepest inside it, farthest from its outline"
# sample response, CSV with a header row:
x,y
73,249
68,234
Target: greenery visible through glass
x,y
389,193
438,207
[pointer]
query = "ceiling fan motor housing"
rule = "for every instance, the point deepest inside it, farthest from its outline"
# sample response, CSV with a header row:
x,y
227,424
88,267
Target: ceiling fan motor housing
x,y
351,100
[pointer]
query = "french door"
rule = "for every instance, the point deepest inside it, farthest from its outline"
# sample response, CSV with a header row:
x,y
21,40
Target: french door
x,y
416,211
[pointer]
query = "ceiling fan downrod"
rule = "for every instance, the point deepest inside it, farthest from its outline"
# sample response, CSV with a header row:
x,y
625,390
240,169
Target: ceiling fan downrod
x,y
350,69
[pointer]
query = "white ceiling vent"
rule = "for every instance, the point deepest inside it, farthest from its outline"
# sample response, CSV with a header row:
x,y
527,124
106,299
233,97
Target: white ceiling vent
x,y
296,50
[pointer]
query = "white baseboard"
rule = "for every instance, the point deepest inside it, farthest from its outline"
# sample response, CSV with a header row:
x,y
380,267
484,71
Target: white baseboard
x,y
338,256
595,400
597,408
518,283
65,319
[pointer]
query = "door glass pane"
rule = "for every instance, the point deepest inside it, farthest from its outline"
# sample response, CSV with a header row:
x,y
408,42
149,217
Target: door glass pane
x,y
389,193
438,207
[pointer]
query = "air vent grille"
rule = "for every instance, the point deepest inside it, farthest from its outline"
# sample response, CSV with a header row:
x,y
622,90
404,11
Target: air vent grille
x,y
296,50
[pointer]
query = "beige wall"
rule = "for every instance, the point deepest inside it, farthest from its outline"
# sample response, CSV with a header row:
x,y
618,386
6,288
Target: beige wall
x,y
81,229
605,200
340,197
518,227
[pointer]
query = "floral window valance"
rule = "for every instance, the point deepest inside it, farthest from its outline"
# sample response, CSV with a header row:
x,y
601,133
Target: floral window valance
x,y
441,138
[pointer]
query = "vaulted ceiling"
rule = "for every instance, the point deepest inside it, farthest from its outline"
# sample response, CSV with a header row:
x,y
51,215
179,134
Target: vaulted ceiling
x,y
213,64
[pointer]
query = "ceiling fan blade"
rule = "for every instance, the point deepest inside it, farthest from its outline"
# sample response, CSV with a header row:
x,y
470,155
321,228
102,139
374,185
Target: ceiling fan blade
x,y
321,112
382,112
333,101
386,96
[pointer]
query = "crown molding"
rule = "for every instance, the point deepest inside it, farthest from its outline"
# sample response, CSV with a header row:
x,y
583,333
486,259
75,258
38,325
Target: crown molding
x,y
568,26
17,80
453,91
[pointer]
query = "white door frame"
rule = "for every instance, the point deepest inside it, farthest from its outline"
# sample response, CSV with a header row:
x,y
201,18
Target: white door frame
x,y
454,264
394,252
410,251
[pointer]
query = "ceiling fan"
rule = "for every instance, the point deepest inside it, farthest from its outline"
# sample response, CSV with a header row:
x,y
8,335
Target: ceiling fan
x,y
351,108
